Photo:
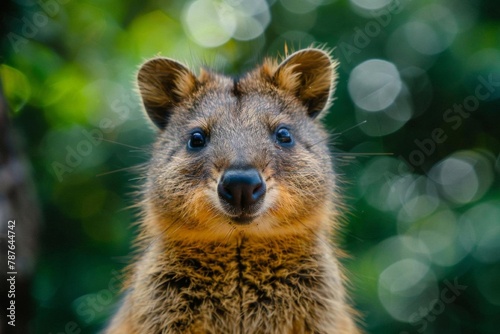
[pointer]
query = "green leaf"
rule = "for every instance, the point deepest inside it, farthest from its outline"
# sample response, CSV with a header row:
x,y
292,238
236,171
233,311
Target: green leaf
x,y
16,87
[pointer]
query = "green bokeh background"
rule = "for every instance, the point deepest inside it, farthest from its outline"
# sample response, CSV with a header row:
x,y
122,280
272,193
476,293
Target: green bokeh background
x,y
419,218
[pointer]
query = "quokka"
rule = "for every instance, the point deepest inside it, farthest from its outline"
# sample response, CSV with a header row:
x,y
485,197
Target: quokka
x,y
240,205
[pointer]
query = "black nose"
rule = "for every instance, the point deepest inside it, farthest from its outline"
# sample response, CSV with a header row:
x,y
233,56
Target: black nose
x,y
241,188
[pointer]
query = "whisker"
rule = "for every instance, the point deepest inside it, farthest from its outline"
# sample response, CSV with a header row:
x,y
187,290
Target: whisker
x,y
126,145
360,154
322,140
116,170
352,127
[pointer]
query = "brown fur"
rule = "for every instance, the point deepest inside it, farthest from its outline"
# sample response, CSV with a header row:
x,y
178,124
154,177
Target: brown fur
x,y
200,272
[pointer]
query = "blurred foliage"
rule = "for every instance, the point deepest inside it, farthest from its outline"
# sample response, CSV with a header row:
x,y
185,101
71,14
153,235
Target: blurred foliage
x,y
423,223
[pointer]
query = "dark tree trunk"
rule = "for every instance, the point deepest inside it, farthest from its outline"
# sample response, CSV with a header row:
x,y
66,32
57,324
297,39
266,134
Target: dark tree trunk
x,y
17,203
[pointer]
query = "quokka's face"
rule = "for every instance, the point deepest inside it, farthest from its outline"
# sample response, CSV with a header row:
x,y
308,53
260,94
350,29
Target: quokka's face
x,y
245,154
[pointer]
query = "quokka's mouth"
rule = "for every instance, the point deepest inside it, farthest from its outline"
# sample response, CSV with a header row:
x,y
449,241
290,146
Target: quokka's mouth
x,y
243,219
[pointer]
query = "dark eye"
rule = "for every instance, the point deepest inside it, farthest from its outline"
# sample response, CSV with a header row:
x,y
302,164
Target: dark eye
x,y
283,137
197,140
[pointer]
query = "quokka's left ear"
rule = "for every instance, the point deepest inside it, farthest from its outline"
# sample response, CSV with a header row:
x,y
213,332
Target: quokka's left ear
x,y
310,75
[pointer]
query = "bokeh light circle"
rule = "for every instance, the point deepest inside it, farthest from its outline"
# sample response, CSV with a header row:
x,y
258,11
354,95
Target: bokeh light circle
x,y
370,4
463,177
432,30
406,288
213,23
205,26
442,234
484,218
374,84
300,6
387,120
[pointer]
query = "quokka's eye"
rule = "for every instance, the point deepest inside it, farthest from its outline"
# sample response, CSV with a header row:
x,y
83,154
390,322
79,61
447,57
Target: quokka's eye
x,y
197,140
283,137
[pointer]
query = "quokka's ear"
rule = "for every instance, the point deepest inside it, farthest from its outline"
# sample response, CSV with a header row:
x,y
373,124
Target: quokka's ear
x,y
310,75
163,84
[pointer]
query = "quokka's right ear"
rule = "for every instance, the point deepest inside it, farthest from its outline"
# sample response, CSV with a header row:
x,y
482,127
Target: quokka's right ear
x,y
163,84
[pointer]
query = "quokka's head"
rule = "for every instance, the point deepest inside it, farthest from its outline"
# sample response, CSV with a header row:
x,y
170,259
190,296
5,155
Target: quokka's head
x,y
239,154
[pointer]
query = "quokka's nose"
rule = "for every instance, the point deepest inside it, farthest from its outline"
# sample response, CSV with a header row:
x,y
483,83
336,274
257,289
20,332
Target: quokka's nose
x,y
241,188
